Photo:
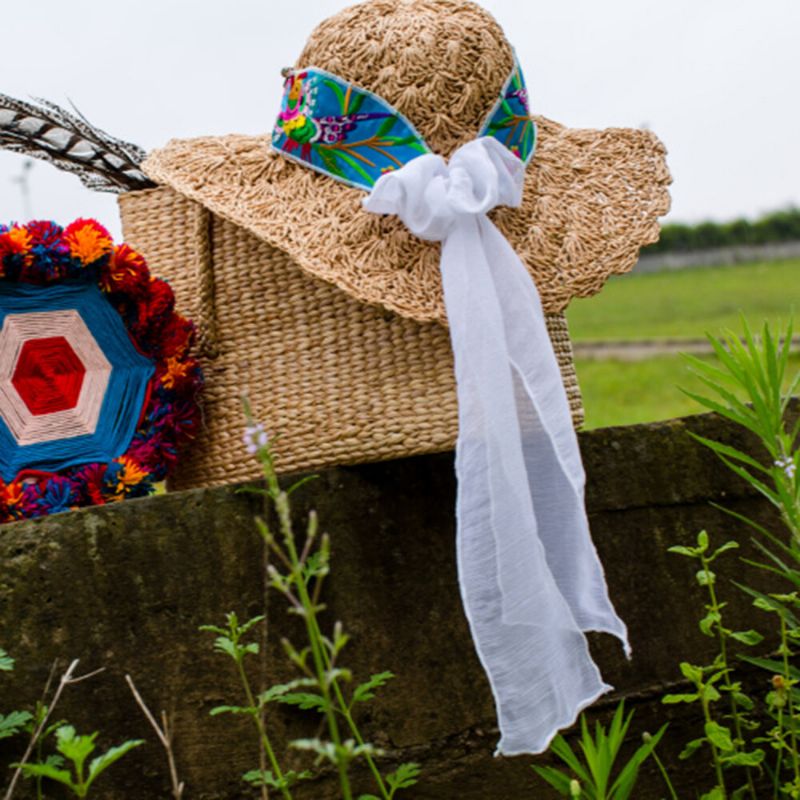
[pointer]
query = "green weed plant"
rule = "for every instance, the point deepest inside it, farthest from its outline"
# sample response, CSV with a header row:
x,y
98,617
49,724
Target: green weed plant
x,y
323,684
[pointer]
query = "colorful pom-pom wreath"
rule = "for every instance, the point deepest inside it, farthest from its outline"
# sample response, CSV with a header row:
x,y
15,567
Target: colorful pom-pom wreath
x,y
98,389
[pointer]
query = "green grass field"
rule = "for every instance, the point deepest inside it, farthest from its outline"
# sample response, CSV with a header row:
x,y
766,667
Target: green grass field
x,y
681,304
627,392
687,303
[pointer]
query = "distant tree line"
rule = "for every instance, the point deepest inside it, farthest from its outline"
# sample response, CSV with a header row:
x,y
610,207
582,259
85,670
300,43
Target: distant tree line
x,y
779,226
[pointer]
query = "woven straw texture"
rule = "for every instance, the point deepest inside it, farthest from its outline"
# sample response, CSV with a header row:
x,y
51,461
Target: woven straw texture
x,y
341,381
592,198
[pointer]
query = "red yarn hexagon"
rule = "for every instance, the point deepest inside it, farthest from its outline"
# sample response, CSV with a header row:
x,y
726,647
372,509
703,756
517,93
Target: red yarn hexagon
x,y
48,375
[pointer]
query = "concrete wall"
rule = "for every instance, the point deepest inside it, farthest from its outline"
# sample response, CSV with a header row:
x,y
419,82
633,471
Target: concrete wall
x,y
126,588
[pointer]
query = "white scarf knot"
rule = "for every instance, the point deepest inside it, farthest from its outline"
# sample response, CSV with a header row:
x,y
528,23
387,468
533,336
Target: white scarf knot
x,y
430,195
530,577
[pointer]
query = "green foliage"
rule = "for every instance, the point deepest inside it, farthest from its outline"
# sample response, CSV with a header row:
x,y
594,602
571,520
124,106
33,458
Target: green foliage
x,y
759,368
6,662
714,686
13,722
323,684
749,387
593,776
76,749
779,226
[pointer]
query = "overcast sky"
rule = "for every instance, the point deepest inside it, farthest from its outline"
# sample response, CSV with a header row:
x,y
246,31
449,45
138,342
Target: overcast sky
x,y
717,80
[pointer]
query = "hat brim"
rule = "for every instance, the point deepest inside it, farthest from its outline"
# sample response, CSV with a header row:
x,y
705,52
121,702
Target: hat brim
x,y
592,199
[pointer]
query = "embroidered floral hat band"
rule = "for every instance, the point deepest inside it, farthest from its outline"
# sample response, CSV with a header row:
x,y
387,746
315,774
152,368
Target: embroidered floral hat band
x,y
356,137
530,578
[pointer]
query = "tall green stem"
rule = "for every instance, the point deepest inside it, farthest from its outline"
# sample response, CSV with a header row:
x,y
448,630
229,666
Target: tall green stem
x,y
345,710
262,729
282,506
723,650
790,703
776,783
665,775
714,751
281,501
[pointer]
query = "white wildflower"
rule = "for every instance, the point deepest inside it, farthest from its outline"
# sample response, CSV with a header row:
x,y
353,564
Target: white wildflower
x,y
786,463
255,438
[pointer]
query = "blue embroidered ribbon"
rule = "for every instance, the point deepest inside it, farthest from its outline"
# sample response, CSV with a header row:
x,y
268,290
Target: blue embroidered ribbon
x,y
355,136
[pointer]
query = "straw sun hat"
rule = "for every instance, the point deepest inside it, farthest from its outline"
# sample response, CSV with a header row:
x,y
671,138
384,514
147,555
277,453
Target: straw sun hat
x,y
591,197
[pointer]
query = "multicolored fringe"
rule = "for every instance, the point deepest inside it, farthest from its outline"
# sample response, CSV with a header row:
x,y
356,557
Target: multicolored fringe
x,y
43,254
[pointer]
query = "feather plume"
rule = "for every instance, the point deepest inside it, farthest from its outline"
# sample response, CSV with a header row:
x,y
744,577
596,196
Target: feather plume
x,y
42,129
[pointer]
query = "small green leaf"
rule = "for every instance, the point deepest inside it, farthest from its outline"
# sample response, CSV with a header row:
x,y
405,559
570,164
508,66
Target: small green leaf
x,y
13,722
691,673
680,550
752,759
709,621
222,644
74,747
702,541
365,691
300,483
672,699
715,794
557,779
6,662
213,629
724,549
691,748
705,577
251,623
772,666
100,764
257,777
709,693
217,710
277,691
562,749
304,700
48,771
749,638
719,736
404,776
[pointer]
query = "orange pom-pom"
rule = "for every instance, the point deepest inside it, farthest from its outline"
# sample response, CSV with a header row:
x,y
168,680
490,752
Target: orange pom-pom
x,y
88,241
15,241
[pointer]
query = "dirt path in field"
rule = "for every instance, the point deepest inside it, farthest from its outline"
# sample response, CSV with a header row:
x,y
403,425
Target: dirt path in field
x,y
642,349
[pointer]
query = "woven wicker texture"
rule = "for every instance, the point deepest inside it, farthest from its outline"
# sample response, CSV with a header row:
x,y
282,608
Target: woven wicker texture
x,y
341,381
591,201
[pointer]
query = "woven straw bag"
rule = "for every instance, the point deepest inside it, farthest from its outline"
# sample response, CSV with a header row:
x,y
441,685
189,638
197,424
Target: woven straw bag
x,y
331,320
340,381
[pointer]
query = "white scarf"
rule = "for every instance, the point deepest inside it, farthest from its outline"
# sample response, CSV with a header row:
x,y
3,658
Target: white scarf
x,y
531,581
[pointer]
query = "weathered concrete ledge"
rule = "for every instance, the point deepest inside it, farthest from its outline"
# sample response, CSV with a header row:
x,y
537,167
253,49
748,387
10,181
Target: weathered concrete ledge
x,y
126,588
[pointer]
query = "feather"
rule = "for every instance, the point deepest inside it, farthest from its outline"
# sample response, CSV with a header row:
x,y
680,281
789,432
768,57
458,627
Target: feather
x,y
42,129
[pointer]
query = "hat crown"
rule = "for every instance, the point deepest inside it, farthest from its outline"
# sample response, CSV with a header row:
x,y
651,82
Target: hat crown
x,y
440,63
